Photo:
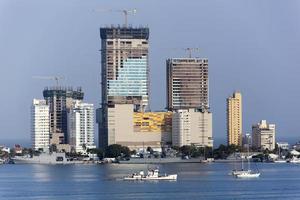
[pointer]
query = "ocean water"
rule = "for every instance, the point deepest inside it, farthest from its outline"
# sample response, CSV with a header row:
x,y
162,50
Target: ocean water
x,y
195,181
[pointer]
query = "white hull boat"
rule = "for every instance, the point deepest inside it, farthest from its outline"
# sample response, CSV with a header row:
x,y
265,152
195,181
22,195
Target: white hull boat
x,y
295,160
236,172
151,175
279,161
248,174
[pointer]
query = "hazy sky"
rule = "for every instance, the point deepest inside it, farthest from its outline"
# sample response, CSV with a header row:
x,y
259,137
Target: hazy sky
x,y
252,46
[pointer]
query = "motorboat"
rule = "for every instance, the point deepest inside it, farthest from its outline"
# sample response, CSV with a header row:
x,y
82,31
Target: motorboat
x,y
152,174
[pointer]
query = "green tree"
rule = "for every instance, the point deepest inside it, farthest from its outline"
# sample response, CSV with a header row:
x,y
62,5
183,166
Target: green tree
x,y
186,150
125,151
150,150
99,152
116,150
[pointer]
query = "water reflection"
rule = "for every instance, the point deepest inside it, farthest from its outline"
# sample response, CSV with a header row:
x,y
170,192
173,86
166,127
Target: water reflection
x,y
204,181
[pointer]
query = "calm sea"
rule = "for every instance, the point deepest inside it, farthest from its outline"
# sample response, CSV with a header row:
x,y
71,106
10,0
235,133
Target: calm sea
x,y
195,181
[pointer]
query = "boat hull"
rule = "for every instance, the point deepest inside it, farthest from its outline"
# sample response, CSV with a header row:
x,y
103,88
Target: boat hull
x,y
139,178
248,175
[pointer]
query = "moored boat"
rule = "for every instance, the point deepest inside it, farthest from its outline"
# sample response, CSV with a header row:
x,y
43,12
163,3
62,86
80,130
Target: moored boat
x,y
294,160
44,158
151,175
248,174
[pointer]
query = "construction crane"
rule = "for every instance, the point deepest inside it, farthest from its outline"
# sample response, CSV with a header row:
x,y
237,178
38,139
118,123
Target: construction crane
x,y
124,11
190,50
55,78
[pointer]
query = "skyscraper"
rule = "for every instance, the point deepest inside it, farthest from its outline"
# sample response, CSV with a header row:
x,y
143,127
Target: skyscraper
x,y
187,83
124,73
125,70
60,100
234,119
40,130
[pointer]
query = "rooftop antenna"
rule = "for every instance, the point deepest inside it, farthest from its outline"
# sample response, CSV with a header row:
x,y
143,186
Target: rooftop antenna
x,y
190,50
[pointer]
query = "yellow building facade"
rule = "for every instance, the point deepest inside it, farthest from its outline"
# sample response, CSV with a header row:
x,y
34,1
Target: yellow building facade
x,y
234,119
152,122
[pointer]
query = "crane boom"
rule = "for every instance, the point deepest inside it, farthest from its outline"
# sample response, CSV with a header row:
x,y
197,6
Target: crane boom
x,y
126,12
55,78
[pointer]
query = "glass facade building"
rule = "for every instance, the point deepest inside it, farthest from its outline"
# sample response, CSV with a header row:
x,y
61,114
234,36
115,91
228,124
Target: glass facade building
x,y
131,79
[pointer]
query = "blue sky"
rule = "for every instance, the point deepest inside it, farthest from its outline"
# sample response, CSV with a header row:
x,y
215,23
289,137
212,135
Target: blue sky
x,y
252,46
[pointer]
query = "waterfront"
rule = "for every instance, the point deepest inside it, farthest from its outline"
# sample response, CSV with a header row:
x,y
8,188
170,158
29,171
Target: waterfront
x,y
195,180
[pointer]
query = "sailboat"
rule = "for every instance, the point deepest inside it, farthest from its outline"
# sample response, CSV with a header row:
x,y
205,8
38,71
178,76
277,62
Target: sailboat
x,y
248,173
235,172
279,159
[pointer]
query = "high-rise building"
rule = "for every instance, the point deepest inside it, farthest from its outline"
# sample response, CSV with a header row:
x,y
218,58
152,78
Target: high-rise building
x,y
60,100
187,83
263,136
125,69
124,73
192,127
234,119
81,126
40,130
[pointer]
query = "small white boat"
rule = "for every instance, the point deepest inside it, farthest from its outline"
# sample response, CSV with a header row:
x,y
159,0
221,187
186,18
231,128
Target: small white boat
x,y
295,160
236,172
248,174
280,161
151,175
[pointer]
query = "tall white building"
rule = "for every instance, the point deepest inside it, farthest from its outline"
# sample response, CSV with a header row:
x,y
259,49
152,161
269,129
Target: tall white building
x,y
40,125
192,127
81,126
263,135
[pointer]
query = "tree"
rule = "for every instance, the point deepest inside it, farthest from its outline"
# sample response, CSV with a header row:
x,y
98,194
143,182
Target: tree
x,y
222,152
150,150
186,150
116,150
125,151
99,152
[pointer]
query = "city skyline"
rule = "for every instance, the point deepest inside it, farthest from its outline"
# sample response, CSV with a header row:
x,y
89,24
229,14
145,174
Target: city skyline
x,y
252,56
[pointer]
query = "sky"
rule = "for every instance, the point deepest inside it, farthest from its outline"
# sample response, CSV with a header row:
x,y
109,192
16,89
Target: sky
x,y
252,46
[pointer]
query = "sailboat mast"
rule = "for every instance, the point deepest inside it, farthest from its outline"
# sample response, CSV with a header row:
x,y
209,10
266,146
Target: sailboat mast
x,y
248,158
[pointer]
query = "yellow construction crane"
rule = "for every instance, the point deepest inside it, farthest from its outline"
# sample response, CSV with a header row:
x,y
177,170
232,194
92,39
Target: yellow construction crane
x,y
126,12
55,78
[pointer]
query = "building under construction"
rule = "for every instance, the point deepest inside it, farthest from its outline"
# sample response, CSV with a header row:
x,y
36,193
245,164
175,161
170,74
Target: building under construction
x,y
125,72
60,99
187,83
125,69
